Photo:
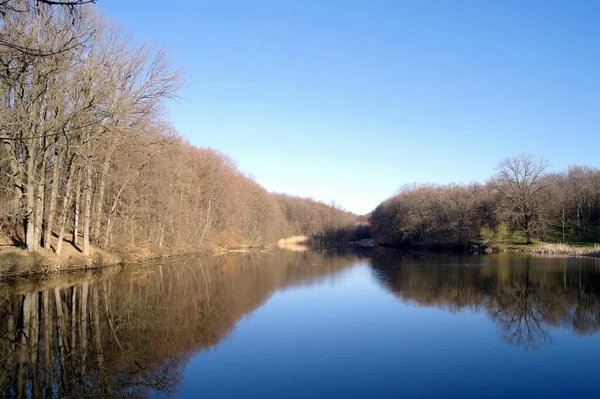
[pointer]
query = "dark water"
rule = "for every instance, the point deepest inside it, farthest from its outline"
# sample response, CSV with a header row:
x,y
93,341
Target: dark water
x,y
297,325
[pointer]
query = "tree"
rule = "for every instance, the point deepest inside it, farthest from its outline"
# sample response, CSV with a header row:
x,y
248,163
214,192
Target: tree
x,y
518,179
70,9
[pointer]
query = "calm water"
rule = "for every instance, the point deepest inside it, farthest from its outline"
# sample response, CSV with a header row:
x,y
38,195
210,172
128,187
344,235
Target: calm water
x,y
294,325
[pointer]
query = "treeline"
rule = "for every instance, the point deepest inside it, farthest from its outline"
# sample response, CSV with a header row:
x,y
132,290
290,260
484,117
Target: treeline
x,y
88,157
520,203
319,221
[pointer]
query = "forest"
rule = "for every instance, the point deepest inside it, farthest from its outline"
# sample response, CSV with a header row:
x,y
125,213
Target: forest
x,y
89,158
521,203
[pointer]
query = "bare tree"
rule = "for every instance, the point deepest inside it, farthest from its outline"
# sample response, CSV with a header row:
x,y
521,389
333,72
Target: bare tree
x,y
518,179
68,9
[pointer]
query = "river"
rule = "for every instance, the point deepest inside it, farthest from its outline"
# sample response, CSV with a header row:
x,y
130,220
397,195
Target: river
x,y
308,324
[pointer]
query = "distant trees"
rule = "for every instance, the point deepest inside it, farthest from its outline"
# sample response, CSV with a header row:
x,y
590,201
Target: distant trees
x,y
520,199
576,201
429,215
322,222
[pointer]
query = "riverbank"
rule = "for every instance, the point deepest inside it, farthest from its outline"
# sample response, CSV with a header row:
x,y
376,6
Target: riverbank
x,y
19,263
541,248
16,262
555,249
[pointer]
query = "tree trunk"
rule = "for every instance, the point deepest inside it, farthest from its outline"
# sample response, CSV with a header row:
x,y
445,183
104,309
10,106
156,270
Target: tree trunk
x,y
39,202
162,235
30,242
16,176
99,197
526,227
76,213
53,198
65,205
87,205
115,202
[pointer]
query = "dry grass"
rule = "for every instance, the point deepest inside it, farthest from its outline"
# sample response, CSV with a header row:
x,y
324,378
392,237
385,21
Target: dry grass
x,y
16,262
294,240
566,249
293,247
294,243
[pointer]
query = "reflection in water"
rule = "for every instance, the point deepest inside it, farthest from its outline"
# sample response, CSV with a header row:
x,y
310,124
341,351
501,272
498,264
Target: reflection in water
x,y
132,331
524,295
128,332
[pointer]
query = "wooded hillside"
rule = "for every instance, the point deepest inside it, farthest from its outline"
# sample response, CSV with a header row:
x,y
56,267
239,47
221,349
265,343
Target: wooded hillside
x,y
88,155
521,202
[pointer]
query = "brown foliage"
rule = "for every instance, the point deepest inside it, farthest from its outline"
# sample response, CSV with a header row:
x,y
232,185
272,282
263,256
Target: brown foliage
x,y
561,207
319,221
431,215
86,149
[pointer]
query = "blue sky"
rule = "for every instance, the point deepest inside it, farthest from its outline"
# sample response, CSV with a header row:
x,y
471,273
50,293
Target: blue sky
x,y
348,100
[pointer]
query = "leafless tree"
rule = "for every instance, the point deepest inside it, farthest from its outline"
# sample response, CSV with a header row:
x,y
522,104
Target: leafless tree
x,y
70,10
519,180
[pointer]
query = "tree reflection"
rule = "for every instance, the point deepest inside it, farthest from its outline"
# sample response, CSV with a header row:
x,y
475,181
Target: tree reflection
x,y
516,307
129,332
524,295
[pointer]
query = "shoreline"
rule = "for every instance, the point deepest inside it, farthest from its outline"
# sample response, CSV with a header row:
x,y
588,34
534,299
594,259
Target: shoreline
x,y
556,249
542,248
17,263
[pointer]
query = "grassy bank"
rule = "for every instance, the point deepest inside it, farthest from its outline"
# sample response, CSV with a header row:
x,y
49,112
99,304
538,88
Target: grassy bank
x,y
544,248
512,245
555,243
18,263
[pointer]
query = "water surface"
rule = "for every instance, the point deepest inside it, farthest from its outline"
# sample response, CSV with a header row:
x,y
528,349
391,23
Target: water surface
x,y
289,324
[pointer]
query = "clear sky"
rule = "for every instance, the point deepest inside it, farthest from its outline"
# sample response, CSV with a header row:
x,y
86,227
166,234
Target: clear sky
x,y
348,100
